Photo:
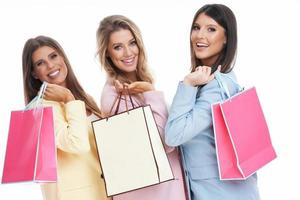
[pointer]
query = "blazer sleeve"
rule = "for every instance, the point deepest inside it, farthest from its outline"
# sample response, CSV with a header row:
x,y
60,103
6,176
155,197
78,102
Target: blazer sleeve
x,y
71,127
190,115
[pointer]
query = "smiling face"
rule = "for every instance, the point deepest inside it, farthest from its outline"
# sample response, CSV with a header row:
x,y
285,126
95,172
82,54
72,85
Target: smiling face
x,y
207,39
49,66
123,51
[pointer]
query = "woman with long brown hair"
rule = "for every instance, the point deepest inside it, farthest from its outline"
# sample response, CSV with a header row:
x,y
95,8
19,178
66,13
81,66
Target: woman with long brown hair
x,y
78,168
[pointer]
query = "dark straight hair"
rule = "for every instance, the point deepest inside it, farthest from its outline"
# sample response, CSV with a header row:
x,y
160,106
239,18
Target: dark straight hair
x,y
225,18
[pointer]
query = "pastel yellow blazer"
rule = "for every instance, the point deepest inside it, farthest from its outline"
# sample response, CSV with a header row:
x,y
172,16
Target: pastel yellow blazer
x,y
78,165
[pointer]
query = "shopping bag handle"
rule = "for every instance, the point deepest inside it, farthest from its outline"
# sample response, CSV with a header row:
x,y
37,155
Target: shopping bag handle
x,y
223,85
125,88
38,98
41,93
118,101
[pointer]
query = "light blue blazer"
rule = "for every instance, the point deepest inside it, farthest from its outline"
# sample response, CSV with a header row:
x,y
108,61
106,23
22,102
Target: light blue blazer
x,y
190,126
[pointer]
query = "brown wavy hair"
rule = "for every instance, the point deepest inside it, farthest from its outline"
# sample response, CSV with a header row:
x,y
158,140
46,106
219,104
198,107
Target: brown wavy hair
x,y
112,24
32,85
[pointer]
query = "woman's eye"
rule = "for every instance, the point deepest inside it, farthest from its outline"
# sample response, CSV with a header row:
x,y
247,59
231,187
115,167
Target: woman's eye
x,y
196,27
117,47
53,56
211,29
133,43
39,63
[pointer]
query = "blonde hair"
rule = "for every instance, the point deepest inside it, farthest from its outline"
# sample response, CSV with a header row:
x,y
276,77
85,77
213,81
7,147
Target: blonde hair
x,y
112,24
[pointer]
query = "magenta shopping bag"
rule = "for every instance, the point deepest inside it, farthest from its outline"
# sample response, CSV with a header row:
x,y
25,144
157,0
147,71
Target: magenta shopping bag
x,y
30,151
242,138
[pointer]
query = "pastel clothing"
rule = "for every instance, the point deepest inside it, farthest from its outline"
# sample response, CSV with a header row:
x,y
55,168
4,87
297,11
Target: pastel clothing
x,y
171,190
190,126
78,167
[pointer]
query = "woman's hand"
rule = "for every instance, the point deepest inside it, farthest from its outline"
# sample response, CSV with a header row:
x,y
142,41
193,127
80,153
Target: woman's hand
x,y
135,87
58,93
200,76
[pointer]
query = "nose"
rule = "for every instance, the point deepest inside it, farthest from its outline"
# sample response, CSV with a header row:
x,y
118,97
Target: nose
x,y
50,64
200,33
127,51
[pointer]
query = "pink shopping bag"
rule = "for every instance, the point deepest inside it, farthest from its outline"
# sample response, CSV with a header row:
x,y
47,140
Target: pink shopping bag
x,y
30,151
242,138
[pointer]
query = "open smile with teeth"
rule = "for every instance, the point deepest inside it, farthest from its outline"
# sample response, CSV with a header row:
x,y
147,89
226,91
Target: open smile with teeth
x,y
199,44
53,74
128,61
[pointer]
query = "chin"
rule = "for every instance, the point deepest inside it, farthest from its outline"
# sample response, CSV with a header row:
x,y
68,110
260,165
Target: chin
x,y
57,82
201,56
129,69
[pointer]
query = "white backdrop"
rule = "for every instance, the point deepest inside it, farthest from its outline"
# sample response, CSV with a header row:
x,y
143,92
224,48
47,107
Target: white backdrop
x,y
268,48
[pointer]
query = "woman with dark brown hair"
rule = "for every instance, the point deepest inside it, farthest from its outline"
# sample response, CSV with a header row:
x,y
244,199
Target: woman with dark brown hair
x,y
213,43
78,167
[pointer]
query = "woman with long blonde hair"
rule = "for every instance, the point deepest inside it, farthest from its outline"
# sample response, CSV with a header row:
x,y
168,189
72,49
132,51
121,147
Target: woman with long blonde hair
x,y
122,54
